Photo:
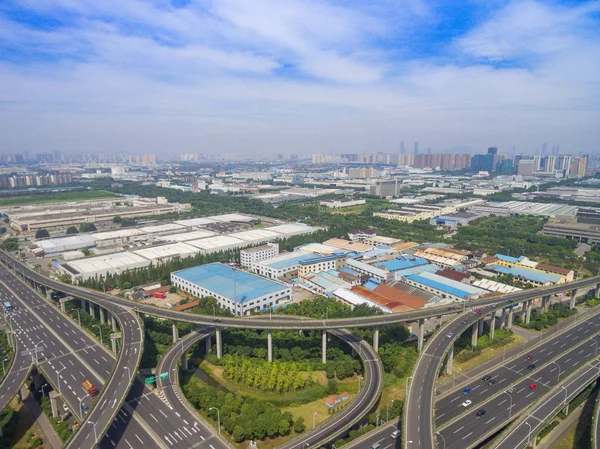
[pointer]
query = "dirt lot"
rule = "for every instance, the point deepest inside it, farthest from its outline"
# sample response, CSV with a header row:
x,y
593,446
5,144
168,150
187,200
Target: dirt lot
x,y
172,298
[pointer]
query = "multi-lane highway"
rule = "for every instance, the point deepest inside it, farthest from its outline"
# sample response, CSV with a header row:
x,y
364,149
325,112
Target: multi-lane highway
x,y
554,360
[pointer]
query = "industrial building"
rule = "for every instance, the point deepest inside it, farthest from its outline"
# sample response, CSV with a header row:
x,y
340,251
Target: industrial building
x,y
165,253
237,290
250,256
527,275
282,266
581,232
341,203
444,287
102,265
317,264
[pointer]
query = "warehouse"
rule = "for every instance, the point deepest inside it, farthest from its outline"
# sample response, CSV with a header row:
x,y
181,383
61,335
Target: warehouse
x,y
444,287
527,275
186,236
239,291
291,229
164,253
283,265
102,265
54,246
218,243
258,236
119,237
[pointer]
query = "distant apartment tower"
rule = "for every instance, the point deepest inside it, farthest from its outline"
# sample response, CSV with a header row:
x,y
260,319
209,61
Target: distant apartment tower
x,y
578,167
250,256
385,188
368,172
416,151
402,147
526,167
493,150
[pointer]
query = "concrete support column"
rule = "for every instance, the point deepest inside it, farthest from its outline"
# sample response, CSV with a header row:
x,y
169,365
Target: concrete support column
x,y
113,322
208,343
92,309
492,325
511,313
545,303
184,361
53,403
528,307
597,291
376,339
474,333
566,409
62,306
323,346
270,346
503,319
175,332
83,304
573,296
480,326
421,334
102,311
48,294
219,344
113,343
450,360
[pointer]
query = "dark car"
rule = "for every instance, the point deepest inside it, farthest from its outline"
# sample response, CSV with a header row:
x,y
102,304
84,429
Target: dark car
x,y
531,366
486,377
217,320
466,390
529,357
480,413
492,381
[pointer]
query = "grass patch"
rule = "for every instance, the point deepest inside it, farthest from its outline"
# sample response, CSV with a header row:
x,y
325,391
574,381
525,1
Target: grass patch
x,y
488,353
55,197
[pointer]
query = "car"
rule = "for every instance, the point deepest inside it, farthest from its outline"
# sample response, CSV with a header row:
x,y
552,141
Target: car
x,y
466,390
396,434
85,408
449,335
477,311
486,377
480,413
16,307
65,407
217,320
464,321
466,403
531,366
532,386
375,446
529,357
511,390
492,382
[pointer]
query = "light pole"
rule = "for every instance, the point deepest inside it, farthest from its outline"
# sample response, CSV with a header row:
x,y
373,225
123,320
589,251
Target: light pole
x,y
129,371
218,418
3,369
509,408
81,406
529,433
314,414
559,372
387,416
566,392
42,389
36,351
58,379
103,287
596,347
443,439
100,329
359,379
95,435
79,317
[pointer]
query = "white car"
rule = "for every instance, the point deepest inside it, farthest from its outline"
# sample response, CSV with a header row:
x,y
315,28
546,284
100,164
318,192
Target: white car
x,y
466,403
396,434
450,335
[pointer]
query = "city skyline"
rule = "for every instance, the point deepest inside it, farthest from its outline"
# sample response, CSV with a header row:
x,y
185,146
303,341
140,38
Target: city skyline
x,y
309,77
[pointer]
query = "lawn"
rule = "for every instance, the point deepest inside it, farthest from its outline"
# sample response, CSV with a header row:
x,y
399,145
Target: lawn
x,y
25,432
55,197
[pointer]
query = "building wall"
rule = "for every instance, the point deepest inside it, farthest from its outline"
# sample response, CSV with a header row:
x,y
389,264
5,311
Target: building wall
x,y
248,258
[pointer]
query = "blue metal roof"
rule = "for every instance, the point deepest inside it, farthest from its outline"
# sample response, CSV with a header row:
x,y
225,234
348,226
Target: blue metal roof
x,y
402,263
218,278
526,273
445,285
288,262
506,258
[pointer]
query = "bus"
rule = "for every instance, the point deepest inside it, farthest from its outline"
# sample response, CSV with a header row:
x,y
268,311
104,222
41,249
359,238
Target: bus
x,y
8,306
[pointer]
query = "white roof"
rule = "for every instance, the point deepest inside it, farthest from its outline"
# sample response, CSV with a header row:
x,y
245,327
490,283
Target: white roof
x,y
167,251
356,300
219,241
185,236
119,261
293,228
58,244
195,221
495,286
162,228
108,235
322,249
231,217
257,234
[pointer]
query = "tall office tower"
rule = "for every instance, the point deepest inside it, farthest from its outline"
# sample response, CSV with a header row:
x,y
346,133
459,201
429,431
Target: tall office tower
x,y
428,150
402,147
557,150
416,151
492,150
544,148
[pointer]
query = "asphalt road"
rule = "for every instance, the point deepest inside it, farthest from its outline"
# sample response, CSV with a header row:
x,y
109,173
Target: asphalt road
x,y
326,432
539,417
555,360
68,356
16,371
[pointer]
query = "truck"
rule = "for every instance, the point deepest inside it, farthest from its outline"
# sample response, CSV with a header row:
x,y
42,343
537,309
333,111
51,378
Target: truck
x,y
89,388
160,295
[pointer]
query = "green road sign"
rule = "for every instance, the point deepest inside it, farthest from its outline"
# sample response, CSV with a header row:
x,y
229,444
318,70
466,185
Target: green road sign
x,y
164,376
150,379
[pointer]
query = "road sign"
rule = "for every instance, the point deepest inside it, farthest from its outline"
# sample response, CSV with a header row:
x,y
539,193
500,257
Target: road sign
x,y
164,376
150,379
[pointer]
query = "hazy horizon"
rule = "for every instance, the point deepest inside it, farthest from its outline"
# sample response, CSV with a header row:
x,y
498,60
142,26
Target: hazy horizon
x,y
268,77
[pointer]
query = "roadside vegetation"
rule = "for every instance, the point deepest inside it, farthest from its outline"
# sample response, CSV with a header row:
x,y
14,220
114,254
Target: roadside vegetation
x,y
539,321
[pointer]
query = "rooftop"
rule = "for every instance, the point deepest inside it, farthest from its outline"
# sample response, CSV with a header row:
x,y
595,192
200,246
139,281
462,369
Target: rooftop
x,y
219,279
526,273
286,260
445,285
401,263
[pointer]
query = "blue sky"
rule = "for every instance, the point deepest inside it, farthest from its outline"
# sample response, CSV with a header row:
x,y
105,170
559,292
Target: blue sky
x,y
233,76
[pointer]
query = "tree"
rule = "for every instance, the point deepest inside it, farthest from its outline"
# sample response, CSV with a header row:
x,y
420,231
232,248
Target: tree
x,y
117,219
10,244
284,427
72,230
299,425
87,227
173,289
42,234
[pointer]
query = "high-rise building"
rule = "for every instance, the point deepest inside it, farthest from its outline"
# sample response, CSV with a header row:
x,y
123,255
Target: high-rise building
x,y
492,150
402,147
526,167
544,148
578,167
482,162
416,151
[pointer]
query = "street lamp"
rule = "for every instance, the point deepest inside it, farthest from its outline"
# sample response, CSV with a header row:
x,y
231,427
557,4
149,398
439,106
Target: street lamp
x,y
509,408
443,439
314,414
58,379
218,418
559,372
100,329
103,287
129,371
95,435
529,433
388,410
81,406
42,389
596,347
566,392
3,369
359,379
78,317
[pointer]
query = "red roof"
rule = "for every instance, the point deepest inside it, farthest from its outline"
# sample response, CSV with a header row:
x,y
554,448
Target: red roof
x,y
453,274
553,269
394,294
164,289
189,305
